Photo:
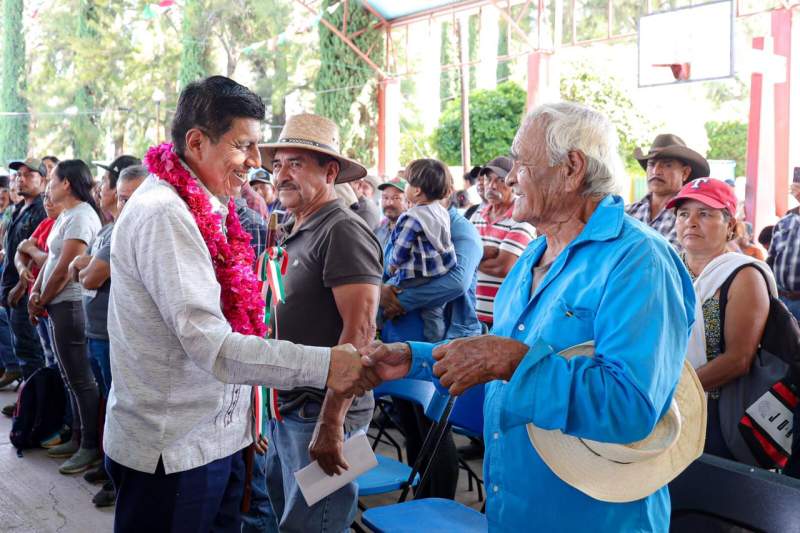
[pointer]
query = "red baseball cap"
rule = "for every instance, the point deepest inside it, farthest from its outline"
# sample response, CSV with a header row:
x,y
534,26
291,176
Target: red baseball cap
x,y
709,191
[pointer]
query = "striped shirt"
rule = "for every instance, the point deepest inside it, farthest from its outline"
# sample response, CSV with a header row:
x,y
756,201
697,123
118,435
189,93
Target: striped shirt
x,y
784,252
507,235
664,223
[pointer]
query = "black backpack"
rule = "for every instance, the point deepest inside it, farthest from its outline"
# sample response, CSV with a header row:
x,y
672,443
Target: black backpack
x,y
39,412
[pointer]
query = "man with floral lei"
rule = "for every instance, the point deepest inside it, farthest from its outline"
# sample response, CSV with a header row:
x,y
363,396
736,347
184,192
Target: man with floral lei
x,y
186,325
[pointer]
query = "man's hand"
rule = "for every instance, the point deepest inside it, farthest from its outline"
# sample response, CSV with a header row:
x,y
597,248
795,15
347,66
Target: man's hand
x,y
327,448
35,308
389,361
463,363
17,292
79,263
261,445
346,375
390,303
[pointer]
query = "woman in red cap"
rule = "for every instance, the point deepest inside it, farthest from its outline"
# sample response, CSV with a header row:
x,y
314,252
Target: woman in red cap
x,y
721,354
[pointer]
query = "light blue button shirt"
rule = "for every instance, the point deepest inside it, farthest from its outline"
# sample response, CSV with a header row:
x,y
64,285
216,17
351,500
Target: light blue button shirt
x,y
623,286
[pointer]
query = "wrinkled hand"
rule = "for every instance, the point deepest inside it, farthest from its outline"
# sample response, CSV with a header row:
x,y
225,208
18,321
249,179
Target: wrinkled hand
x,y
261,445
26,274
327,448
389,361
390,303
463,363
346,375
35,309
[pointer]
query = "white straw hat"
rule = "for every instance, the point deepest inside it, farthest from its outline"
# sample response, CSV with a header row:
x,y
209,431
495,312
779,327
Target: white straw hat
x,y
628,472
316,133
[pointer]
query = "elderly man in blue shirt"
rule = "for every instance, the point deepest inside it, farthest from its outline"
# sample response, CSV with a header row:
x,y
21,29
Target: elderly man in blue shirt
x,y
594,275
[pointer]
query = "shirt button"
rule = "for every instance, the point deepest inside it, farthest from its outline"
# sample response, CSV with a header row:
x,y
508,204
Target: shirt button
x,y
521,327
495,488
424,365
495,435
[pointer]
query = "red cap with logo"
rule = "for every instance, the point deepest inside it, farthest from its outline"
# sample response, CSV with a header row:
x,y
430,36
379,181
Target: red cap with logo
x,y
709,191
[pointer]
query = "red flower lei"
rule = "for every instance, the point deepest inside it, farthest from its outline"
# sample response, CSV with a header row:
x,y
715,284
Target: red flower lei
x,y
232,257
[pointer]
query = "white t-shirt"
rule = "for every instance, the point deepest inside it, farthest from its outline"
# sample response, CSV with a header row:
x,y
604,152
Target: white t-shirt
x,y
79,223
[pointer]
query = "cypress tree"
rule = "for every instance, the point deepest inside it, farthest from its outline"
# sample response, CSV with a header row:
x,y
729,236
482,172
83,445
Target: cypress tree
x,y
345,93
194,55
13,129
503,69
448,85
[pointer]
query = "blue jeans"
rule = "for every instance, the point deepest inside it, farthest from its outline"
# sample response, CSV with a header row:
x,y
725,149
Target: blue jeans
x,y
101,365
44,337
288,453
793,305
206,498
260,518
7,358
27,346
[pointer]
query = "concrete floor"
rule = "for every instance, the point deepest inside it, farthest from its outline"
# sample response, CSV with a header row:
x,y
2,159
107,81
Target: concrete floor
x,y
34,497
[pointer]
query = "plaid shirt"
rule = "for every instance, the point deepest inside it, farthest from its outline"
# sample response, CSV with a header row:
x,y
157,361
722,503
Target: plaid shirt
x,y
784,252
413,255
253,224
664,223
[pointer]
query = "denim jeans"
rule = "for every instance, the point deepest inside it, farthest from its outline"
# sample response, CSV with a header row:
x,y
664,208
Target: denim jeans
x,y
27,346
260,518
45,338
793,305
288,453
101,365
7,358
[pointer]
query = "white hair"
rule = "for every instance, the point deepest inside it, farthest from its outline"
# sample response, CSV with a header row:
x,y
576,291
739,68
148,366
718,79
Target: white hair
x,y
570,126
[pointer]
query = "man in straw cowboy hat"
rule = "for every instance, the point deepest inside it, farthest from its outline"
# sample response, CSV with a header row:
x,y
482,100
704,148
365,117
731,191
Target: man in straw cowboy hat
x,y
185,325
669,165
331,297
590,410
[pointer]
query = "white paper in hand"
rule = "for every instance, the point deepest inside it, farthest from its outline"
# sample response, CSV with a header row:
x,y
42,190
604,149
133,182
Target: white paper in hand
x,y
316,484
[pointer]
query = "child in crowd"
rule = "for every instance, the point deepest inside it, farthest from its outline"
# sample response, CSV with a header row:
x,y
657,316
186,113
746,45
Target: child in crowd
x,y
420,246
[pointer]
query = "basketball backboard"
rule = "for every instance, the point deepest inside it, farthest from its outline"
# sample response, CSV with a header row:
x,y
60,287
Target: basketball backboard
x,y
686,44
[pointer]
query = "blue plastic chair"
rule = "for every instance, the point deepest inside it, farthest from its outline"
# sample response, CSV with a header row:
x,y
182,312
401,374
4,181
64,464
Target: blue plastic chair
x,y
390,474
467,419
428,514
437,514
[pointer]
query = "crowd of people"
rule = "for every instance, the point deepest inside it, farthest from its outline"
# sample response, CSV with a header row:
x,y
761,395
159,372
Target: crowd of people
x,y
143,290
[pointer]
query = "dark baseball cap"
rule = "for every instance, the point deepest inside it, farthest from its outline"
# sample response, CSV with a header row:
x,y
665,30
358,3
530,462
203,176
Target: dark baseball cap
x,y
33,163
260,176
499,165
121,163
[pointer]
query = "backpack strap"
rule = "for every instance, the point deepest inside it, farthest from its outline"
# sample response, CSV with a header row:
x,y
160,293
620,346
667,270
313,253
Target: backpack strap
x,y
723,299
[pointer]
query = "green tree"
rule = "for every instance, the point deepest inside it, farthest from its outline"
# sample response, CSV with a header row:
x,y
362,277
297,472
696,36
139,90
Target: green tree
x,y
494,117
728,140
14,128
346,86
603,93
448,84
503,67
195,62
85,133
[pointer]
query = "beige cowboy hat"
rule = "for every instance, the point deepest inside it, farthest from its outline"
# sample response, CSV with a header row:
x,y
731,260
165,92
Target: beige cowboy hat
x,y
666,146
315,133
628,472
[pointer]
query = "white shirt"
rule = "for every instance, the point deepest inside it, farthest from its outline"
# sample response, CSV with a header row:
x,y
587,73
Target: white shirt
x,y
176,363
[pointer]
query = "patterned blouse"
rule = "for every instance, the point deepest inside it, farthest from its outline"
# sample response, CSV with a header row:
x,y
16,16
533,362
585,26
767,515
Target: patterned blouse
x,y
713,324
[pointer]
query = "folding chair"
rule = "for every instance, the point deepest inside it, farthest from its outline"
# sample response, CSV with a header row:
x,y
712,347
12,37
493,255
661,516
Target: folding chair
x,y
716,494
467,419
391,475
385,421
436,514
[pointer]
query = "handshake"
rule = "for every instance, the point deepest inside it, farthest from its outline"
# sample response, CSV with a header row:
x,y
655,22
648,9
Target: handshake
x,y
459,364
353,372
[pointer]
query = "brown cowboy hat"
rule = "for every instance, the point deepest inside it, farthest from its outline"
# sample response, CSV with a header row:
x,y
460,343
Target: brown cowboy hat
x,y
666,146
315,133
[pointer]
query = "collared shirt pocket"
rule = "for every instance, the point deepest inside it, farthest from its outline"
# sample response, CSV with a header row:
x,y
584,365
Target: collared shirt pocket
x,y
567,325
